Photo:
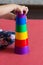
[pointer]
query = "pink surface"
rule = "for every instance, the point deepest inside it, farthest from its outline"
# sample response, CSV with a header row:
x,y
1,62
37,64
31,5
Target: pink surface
x,y
35,57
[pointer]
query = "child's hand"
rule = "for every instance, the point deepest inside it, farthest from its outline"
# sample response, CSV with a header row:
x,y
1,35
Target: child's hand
x,y
22,9
5,9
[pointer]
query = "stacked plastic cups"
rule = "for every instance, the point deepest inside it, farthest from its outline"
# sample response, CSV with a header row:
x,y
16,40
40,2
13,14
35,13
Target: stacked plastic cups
x,y
21,36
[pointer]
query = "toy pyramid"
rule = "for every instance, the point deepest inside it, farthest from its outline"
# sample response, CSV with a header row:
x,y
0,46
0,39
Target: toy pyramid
x,y
21,41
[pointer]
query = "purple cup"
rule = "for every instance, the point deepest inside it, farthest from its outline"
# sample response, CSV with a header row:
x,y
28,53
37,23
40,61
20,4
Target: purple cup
x,y
22,50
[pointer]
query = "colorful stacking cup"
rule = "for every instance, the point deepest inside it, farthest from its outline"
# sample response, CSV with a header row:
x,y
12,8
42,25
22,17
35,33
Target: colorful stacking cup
x,y
21,43
22,50
21,36
21,19
21,28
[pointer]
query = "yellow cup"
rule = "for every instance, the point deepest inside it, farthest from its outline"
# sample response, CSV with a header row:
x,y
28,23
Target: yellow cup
x,y
21,36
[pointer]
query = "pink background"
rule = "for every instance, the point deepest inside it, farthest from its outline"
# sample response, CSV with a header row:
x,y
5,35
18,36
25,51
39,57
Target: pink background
x,y
35,57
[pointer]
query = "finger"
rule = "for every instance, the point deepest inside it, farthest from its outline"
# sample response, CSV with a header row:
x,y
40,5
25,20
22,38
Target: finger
x,y
27,10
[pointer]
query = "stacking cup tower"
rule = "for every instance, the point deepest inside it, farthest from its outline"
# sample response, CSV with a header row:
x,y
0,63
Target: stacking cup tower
x,y
21,36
